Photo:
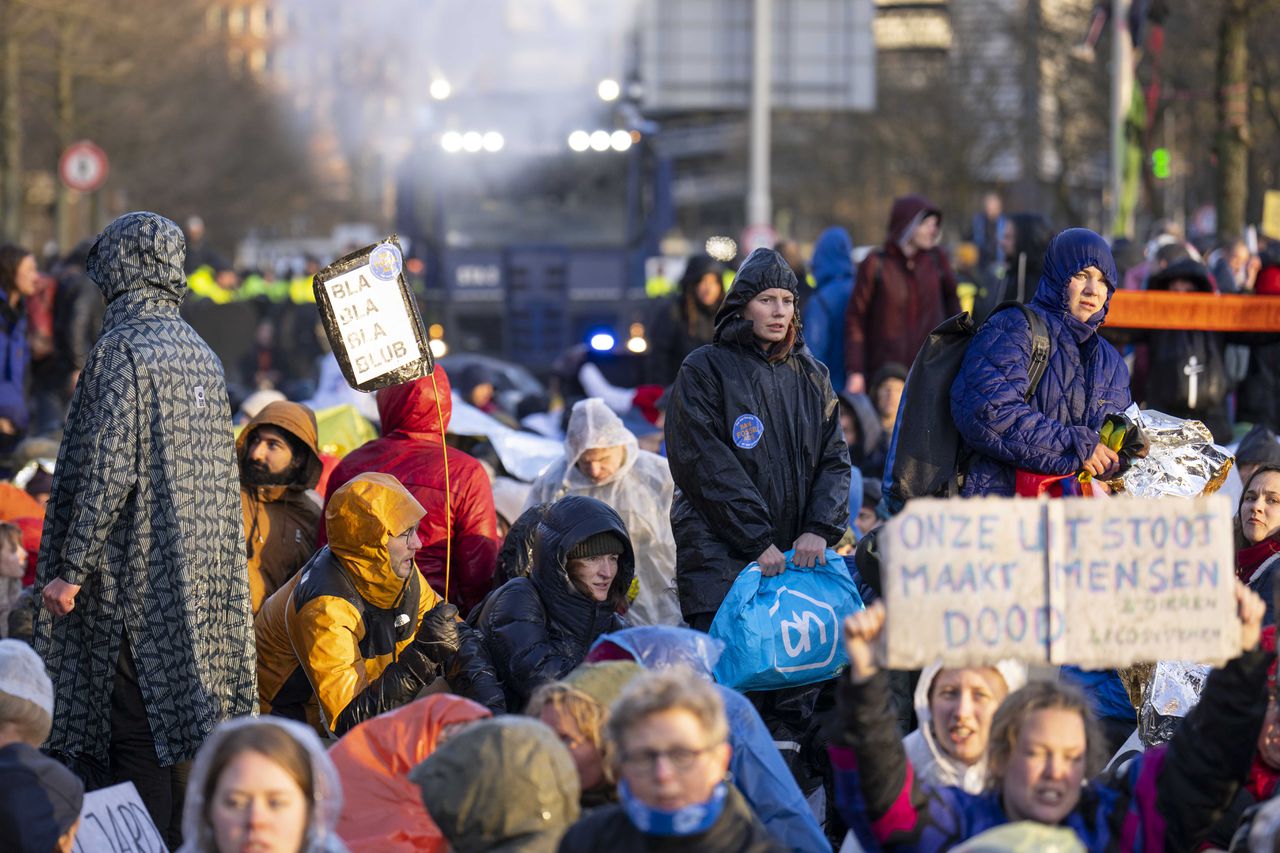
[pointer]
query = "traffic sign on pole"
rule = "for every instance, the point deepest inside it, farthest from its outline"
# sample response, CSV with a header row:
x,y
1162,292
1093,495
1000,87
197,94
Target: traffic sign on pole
x,y
83,166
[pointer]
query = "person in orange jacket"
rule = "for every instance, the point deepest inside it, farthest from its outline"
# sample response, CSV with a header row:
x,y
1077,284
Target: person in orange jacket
x,y
279,464
359,631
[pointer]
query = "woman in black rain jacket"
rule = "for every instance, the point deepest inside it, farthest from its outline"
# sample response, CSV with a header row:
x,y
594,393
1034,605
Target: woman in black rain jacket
x,y
754,442
538,628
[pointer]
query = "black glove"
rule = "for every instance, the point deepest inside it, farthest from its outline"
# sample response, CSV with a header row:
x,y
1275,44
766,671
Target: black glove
x,y
438,638
471,672
398,684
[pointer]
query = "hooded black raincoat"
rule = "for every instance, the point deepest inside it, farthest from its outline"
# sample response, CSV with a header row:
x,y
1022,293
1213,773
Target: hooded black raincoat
x,y
537,629
755,448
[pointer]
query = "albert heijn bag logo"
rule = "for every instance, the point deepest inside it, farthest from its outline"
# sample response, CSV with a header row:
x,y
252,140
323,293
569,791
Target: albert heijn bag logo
x,y
371,318
785,630
808,630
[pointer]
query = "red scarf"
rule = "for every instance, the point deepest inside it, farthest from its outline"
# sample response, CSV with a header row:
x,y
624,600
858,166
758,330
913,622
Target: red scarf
x,y
1248,559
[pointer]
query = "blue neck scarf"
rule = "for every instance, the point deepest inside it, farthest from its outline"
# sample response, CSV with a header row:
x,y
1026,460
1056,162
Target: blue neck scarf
x,y
690,820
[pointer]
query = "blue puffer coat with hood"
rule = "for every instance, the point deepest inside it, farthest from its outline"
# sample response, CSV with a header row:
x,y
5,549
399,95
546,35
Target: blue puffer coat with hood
x,y
832,266
1086,379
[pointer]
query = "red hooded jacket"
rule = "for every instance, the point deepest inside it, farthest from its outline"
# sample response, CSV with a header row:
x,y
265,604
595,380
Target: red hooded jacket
x,y
412,450
897,301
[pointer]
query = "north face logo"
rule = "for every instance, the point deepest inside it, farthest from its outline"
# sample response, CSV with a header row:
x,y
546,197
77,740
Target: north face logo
x,y
199,392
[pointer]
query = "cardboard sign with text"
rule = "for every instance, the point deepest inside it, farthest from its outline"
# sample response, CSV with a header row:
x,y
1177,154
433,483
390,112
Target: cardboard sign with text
x,y
371,318
1098,583
114,820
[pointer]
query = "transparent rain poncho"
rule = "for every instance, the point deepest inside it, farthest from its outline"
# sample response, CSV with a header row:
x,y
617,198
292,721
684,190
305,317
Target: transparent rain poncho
x,y
640,491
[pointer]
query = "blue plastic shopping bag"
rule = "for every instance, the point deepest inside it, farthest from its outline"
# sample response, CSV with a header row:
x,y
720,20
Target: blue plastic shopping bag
x,y
787,630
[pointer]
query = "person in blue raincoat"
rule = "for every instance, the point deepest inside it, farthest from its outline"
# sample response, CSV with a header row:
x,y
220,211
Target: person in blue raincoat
x,y
756,764
1058,430
823,314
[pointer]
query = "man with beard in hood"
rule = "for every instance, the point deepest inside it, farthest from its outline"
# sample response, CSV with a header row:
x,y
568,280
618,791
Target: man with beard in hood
x,y
903,291
602,460
146,628
279,465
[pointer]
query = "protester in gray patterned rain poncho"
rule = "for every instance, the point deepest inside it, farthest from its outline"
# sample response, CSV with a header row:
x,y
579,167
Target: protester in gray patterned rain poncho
x,y
146,627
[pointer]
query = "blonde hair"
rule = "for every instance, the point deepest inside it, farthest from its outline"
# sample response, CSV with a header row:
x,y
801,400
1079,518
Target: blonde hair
x,y
588,715
1022,703
10,536
32,721
674,689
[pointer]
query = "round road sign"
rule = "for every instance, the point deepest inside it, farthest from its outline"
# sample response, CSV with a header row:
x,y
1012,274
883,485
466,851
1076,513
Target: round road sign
x,y
758,237
83,166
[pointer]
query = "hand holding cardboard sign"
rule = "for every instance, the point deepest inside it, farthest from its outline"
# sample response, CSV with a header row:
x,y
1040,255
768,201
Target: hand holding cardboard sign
x,y
863,640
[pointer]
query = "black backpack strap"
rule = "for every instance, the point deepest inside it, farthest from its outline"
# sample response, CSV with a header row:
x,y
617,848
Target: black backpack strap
x,y
1039,346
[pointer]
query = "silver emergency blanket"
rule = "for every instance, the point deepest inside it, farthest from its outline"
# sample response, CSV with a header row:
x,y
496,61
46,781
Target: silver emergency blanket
x,y
1183,460
1174,689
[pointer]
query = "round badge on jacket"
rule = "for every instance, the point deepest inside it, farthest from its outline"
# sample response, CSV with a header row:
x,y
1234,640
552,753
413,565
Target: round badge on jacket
x,y
747,431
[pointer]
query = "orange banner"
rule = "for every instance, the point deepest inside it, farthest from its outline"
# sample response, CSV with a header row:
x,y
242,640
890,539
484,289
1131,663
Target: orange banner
x,y
1144,309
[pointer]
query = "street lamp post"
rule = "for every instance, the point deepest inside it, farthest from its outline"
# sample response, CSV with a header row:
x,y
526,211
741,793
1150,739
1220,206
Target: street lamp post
x,y
759,199
1121,95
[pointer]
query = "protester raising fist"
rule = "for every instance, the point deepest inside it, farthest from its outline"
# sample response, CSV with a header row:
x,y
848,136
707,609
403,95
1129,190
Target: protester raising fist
x,y
1044,754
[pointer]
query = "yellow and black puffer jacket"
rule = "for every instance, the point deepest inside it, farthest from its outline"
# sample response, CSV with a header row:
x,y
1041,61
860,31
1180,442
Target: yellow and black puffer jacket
x,y
346,640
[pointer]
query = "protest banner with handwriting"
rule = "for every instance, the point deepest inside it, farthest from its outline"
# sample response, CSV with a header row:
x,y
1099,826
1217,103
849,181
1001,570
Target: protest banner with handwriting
x,y
1097,583
114,820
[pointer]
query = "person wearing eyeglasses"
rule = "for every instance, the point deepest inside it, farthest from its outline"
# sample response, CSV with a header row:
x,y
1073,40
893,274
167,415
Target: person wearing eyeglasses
x,y
359,631
668,736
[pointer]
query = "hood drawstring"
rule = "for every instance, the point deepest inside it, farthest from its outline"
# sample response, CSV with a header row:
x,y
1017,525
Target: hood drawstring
x,y
254,531
448,492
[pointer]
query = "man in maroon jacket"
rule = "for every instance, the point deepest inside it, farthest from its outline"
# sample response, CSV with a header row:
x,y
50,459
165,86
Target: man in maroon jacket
x,y
902,292
460,521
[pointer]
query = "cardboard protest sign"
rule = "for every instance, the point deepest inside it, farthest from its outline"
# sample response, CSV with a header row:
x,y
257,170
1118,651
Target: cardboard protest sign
x,y
1144,580
371,318
1097,583
965,580
114,820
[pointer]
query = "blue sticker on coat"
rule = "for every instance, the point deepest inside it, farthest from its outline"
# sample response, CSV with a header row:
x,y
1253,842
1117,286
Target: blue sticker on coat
x,y
747,431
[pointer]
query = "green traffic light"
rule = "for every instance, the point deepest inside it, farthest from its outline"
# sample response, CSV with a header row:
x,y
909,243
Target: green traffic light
x,y
1160,163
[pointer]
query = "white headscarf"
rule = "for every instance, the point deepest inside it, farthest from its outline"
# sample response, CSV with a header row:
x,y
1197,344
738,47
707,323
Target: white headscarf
x,y
930,761
327,799
641,491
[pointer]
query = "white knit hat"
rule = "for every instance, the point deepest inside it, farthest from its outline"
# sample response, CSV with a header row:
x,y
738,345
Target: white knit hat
x,y
22,675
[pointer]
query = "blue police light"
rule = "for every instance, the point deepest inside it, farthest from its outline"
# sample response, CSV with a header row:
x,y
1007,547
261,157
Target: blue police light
x,y
601,341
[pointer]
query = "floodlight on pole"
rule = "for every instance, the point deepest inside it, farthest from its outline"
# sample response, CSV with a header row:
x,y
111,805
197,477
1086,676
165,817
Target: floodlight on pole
x,y
600,140
579,140
608,90
620,140
440,89
493,141
451,142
